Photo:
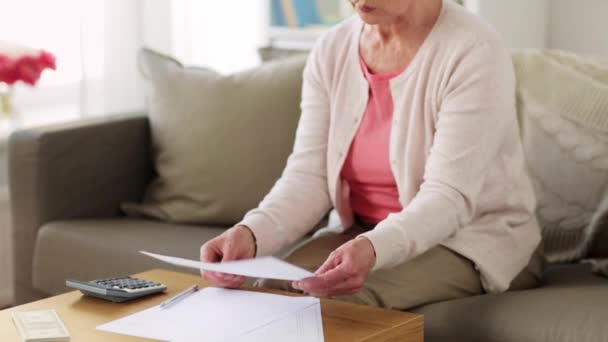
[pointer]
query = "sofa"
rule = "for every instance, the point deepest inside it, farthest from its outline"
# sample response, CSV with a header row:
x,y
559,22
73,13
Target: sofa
x,y
67,184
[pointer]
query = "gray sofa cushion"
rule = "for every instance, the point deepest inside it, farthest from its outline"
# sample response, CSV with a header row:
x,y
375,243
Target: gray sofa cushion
x,y
92,249
571,306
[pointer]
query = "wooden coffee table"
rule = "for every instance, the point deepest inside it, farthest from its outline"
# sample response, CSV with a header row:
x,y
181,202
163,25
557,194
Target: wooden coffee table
x,y
341,321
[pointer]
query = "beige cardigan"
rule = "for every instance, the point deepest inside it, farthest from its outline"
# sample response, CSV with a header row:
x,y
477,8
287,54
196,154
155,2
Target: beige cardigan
x,y
455,152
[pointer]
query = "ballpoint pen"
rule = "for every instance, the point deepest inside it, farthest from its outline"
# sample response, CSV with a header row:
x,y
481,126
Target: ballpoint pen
x,y
178,297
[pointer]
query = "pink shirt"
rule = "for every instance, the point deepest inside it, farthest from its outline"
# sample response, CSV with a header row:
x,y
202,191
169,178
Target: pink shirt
x,y
369,187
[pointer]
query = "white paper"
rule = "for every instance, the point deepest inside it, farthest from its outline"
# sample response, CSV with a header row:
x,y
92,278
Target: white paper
x,y
305,325
265,267
211,314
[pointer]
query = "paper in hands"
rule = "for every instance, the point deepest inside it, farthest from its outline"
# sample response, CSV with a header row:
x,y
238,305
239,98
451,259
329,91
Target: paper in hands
x,y
264,267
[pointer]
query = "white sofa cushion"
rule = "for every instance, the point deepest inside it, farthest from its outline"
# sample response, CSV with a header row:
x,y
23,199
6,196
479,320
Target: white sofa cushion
x,y
563,109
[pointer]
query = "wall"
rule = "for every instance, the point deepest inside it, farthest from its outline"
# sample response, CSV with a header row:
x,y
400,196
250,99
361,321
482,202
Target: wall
x,y
580,26
522,23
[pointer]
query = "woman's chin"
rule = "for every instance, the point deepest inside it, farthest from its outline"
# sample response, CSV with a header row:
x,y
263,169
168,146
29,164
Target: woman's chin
x,y
371,19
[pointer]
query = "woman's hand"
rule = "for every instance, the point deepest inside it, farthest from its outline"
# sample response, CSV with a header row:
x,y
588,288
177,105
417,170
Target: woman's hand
x,y
234,244
344,272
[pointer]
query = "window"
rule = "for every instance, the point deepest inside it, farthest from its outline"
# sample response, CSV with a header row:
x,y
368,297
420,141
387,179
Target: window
x,y
223,35
92,40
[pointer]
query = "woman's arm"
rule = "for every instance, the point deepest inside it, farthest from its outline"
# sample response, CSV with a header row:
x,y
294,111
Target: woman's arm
x,y
477,110
300,198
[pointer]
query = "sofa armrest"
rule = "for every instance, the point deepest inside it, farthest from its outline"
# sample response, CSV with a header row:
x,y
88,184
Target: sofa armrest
x,y
83,169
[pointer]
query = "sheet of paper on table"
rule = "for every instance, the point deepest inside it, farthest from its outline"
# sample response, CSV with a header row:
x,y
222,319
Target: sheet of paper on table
x,y
264,267
302,326
221,315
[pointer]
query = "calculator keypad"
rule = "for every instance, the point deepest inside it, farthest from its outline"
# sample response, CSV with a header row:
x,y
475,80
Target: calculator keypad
x,y
127,283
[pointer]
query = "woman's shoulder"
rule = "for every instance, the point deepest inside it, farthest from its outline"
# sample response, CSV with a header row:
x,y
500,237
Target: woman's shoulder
x,y
460,28
339,37
463,42
333,50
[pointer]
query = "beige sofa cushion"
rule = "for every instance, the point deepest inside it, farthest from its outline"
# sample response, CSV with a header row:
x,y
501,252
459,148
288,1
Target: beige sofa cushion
x,y
220,142
563,108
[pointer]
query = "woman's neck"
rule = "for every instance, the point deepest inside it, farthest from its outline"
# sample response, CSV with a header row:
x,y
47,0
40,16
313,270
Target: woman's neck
x,y
418,20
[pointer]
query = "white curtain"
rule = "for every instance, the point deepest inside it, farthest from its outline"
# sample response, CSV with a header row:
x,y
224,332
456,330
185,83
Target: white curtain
x,y
222,35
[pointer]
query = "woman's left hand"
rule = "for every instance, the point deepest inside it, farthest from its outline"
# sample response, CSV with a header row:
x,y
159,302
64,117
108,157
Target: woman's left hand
x,y
344,272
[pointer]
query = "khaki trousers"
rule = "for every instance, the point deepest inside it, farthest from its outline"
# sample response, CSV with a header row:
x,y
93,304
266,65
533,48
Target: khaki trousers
x,y
435,276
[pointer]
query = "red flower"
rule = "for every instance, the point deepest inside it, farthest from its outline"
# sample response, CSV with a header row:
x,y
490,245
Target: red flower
x,y
7,72
25,67
47,60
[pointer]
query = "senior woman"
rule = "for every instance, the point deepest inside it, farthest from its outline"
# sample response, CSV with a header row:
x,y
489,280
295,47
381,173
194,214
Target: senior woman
x,y
409,130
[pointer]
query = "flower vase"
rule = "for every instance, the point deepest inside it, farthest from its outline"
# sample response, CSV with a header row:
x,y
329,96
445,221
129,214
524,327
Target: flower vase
x,y
7,108
8,112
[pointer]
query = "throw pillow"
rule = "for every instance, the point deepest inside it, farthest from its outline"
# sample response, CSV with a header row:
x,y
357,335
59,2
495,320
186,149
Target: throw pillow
x,y
219,142
563,113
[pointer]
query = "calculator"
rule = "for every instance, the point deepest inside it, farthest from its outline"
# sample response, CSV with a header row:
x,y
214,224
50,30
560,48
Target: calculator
x,y
118,289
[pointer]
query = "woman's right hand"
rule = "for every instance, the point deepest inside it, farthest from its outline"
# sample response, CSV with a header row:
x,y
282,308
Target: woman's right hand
x,y
234,244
